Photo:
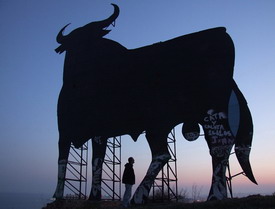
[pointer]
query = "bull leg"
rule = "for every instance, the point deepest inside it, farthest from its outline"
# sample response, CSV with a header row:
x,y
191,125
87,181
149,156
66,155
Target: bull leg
x,y
160,156
64,149
220,141
99,149
220,156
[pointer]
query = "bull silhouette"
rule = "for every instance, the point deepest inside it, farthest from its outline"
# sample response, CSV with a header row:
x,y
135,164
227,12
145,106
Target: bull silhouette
x,y
109,90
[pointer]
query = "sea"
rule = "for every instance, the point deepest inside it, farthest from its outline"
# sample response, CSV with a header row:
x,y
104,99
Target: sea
x,y
24,201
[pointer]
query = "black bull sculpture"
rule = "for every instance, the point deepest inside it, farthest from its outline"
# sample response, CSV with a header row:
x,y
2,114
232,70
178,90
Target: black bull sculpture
x,y
109,90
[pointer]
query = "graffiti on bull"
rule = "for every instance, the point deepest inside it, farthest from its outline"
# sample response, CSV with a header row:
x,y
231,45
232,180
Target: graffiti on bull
x,y
143,190
109,90
214,127
97,172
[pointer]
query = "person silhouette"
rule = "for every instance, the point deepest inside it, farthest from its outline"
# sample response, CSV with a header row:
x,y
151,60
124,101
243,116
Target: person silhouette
x,y
128,179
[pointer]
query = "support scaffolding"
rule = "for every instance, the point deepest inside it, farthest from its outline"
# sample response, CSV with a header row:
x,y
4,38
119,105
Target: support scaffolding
x,y
230,177
76,174
111,171
165,186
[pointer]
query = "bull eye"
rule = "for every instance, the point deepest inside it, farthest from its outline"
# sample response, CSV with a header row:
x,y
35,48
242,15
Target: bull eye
x,y
190,131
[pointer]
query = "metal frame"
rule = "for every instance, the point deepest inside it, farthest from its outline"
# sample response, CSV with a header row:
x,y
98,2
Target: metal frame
x,y
165,186
77,168
111,170
76,173
230,177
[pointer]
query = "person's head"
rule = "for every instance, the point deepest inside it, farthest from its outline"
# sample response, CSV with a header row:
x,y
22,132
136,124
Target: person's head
x,y
131,160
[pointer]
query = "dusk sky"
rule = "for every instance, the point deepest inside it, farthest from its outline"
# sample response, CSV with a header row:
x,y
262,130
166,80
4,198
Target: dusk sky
x,y
31,78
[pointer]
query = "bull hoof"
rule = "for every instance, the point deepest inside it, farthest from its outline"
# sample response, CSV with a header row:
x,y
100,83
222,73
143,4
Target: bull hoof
x,y
58,195
212,198
215,197
139,202
95,199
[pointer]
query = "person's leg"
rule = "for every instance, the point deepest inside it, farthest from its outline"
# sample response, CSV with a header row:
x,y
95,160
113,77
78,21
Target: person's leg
x,y
127,195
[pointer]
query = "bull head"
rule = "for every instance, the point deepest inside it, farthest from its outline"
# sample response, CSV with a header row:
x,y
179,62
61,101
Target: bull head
x,y
86,33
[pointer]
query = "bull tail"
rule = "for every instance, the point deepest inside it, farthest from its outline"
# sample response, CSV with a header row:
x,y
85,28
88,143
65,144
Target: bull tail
x,y
242,129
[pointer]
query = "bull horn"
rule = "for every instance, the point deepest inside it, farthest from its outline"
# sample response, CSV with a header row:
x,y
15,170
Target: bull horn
x,y
242,154
60,37
105,23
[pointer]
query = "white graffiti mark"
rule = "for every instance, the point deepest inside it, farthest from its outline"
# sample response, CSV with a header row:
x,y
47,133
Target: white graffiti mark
x,y
214,127
217,130
97,171
157,162
163,157
243,152
143,190
214,117
96,189
221,151
59,189
97,139
218,188
220,155
62,166
223,141
191,136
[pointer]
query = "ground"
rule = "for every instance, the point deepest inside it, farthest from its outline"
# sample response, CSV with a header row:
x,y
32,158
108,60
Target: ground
x,y
250,202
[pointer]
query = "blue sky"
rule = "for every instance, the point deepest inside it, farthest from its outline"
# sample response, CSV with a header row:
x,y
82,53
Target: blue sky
x,y
31,78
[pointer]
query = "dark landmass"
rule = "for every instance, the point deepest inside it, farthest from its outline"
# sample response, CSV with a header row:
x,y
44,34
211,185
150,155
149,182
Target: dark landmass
x,y
250,202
